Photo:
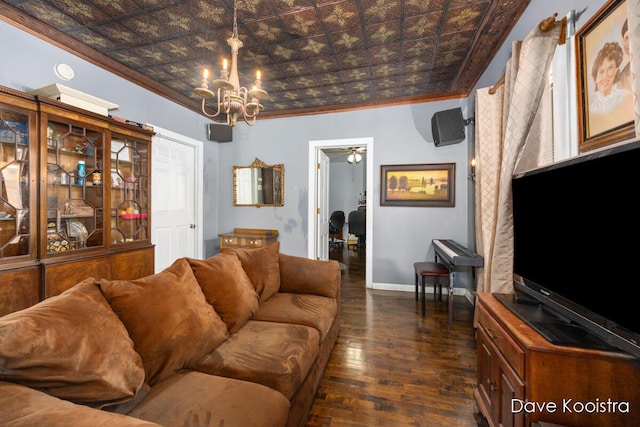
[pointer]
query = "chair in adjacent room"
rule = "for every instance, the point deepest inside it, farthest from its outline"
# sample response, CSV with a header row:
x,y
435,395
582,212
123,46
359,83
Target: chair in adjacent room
x,y
358,226
336,224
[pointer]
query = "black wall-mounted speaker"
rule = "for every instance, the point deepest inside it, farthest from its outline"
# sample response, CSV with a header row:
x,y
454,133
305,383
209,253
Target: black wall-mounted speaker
x,y
219,133
447,127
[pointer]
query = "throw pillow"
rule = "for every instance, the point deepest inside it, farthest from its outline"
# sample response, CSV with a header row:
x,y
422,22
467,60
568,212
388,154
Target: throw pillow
x,y
227,288
168,318
71,346
262,267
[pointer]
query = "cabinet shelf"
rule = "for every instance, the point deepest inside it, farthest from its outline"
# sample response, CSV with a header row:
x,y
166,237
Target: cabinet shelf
x,y
66,151
58,184
21,143
133,216
66,216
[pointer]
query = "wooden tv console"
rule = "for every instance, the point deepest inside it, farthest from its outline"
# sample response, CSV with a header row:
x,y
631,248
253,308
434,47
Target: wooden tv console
x,y
522,378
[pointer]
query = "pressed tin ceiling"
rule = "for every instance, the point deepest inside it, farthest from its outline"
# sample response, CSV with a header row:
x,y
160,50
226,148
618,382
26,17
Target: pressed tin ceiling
x,y
315,56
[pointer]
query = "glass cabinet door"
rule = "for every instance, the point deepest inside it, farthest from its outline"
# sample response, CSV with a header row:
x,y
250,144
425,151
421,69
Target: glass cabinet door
x,y
15,232
75,192
129,178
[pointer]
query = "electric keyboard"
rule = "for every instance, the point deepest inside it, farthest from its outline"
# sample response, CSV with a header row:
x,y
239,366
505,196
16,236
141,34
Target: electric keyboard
x,y
453,254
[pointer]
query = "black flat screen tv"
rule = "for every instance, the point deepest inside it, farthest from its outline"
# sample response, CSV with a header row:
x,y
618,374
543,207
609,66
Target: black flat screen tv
x,y
576,239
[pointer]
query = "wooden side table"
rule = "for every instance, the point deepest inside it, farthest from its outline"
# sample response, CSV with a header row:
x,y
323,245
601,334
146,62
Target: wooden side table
x,y
248,238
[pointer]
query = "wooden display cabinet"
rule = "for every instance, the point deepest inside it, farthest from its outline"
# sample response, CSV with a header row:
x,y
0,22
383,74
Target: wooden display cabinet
x,y
19,270
110,200
72,201
516,364
19,288
18,200
64,216
129,186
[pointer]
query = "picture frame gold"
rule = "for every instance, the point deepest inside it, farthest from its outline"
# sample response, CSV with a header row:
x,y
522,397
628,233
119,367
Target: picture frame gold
x,y
605,103
422,185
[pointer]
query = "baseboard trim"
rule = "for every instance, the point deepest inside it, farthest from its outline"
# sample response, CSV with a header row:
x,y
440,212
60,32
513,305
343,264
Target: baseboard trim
x,y
428,289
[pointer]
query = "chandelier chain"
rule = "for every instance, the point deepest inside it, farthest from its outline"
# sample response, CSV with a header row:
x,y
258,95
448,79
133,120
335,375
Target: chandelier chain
x,y
235,20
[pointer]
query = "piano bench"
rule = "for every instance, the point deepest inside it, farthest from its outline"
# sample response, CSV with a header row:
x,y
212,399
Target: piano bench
x,y
435,274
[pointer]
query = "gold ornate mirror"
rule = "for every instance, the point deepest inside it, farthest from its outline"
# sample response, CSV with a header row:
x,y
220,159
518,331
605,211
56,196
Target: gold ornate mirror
x,y
258,184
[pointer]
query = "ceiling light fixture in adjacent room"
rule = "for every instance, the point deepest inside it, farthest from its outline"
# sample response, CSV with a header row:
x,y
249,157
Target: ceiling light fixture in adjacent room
x,y
354,156
232,100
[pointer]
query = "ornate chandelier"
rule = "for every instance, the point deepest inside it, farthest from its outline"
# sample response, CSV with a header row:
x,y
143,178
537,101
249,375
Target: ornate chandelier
x,y
232,99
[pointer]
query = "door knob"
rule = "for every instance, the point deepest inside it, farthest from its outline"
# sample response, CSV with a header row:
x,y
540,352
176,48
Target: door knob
x,y
192,226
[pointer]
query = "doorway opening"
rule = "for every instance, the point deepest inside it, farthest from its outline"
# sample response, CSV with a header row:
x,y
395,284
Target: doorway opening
x,y
320,153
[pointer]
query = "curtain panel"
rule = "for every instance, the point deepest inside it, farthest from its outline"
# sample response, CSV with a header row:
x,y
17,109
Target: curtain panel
x,y
504,139
633,14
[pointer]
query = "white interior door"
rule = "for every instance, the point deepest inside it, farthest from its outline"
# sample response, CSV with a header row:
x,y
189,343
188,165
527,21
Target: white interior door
x,y
176,208
322,250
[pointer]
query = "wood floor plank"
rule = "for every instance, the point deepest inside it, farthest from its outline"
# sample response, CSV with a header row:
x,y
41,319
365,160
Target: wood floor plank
x,y
393,367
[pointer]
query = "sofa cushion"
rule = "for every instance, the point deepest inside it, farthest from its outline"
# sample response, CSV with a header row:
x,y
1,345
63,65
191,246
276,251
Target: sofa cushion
x,y
195,399
309,276
71,346
262,267
22,406
277,355
227,288
167,317
300,309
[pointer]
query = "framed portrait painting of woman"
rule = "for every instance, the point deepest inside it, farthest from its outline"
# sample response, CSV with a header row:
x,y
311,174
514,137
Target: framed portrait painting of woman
x,y
605,98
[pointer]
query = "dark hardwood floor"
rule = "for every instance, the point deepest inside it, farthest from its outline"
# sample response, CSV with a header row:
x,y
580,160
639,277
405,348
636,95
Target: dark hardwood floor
x,y
391,366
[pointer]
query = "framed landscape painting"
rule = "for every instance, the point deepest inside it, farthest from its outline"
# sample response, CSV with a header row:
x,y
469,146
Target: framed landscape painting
x,y
605,97
427,185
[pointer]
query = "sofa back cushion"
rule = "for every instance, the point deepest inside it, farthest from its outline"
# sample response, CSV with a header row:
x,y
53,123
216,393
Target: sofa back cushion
x,y
227,288
262,267
71,346
168,318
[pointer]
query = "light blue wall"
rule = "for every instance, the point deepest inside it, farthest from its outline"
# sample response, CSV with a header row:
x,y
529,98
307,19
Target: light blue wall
x,y
401,134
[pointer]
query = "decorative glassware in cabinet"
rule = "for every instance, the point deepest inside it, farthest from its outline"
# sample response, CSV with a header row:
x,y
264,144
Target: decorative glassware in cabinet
x,y
75,196
14,184
129,190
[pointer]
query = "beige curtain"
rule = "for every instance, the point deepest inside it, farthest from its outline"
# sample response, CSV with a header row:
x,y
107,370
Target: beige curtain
x,y
508,125
488,137
633,13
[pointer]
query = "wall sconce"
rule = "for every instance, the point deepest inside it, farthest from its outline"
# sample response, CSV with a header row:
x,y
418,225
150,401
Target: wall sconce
x,y
472,169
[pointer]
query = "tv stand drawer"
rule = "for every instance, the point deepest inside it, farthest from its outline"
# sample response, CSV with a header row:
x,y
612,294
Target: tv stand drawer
x,y
511,351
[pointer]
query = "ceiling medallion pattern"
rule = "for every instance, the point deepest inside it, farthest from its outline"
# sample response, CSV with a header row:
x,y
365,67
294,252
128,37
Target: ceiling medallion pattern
x,y
315,55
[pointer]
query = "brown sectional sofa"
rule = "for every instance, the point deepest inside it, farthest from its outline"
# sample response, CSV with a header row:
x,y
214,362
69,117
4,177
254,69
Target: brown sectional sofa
x,y
240,339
